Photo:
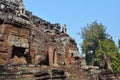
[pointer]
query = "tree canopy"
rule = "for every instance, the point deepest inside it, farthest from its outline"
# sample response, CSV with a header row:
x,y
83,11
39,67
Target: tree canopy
x,y
95,42
111,49
91,34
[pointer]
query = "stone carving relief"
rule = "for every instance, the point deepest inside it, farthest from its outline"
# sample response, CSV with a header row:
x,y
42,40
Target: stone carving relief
x,y
18,41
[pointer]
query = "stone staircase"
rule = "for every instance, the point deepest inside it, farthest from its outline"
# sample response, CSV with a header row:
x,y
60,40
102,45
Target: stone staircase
x,y
31,72
51,74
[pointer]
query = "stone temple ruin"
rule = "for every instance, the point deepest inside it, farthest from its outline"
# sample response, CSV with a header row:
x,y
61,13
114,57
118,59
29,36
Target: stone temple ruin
x,y
25,38
28,42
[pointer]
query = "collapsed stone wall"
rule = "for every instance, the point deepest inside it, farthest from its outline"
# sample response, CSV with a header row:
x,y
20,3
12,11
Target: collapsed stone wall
x,y
26,38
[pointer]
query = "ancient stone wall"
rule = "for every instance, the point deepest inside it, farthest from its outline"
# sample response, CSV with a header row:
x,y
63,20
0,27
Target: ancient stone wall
x,y
25,38
14,41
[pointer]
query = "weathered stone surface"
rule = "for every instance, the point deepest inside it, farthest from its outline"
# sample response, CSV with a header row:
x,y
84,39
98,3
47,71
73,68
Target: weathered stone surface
x,y
53,73
46,44
27,40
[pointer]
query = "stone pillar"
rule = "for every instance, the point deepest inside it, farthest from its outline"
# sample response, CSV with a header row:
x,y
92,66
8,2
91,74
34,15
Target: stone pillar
x,y
55,58
52,55
68,58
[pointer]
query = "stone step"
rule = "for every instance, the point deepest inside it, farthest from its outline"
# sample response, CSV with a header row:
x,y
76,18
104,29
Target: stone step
x,y
52,74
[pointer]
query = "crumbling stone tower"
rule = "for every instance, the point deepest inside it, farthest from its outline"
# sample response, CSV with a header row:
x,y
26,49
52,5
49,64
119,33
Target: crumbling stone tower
x,y
28,39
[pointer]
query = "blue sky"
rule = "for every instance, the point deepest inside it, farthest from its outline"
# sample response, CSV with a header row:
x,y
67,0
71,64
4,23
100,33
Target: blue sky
x,y
78,13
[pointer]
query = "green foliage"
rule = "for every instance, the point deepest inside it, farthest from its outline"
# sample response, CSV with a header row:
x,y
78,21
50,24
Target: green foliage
x,y
96,39
111,49
119,45
91,35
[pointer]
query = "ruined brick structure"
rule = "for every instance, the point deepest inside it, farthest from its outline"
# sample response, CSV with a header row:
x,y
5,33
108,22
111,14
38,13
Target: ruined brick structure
x,y
25,38
28,42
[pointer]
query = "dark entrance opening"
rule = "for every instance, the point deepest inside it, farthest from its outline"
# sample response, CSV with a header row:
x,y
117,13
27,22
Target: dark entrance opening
x,y
1,21
21,52
18,51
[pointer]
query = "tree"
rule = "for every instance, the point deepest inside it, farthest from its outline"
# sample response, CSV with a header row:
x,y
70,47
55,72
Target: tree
x,y
119,43
91,35
108,46
95,42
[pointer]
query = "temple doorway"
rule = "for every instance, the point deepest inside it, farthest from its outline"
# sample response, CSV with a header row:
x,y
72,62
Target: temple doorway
x,y
20,55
